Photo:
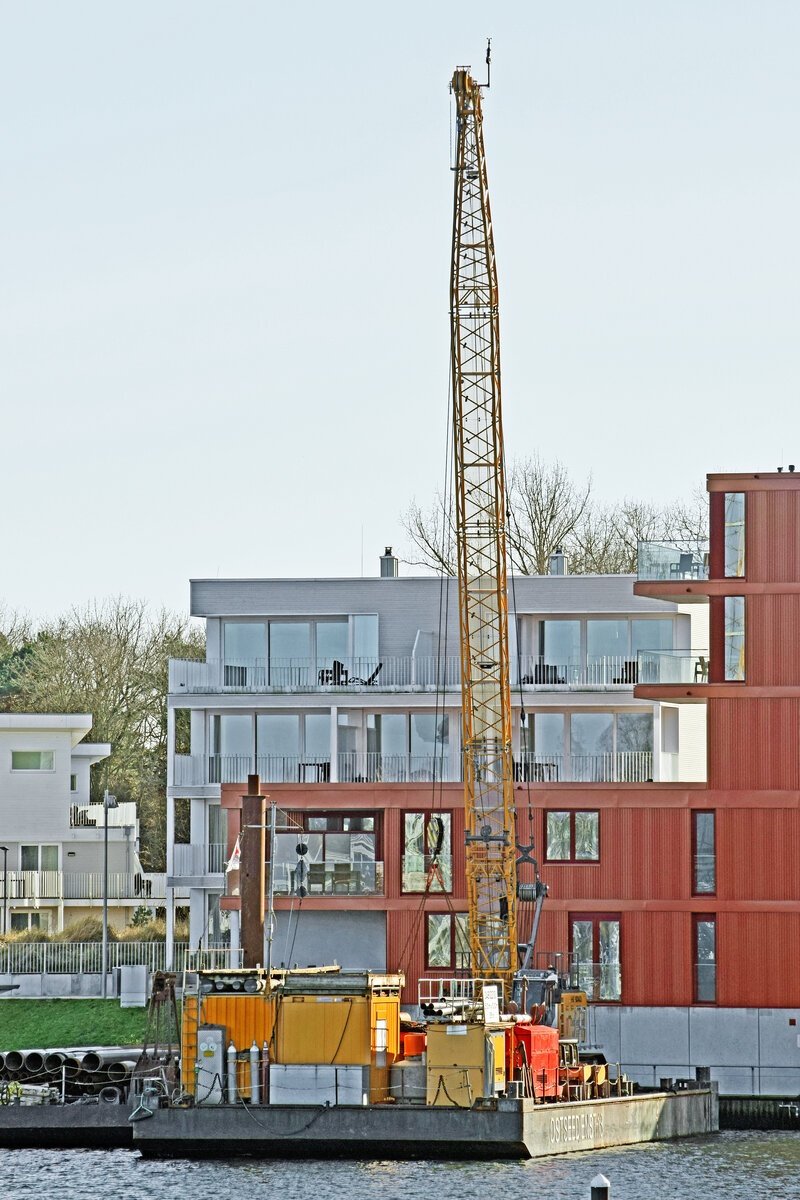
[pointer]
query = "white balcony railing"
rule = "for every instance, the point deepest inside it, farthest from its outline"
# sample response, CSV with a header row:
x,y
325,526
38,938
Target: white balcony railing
x,y
84,958
199,860
402,673
628,766
83,816
41,887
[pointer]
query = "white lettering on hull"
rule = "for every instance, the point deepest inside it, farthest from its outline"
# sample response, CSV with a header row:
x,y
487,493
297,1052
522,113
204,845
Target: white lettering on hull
x,y
576,1127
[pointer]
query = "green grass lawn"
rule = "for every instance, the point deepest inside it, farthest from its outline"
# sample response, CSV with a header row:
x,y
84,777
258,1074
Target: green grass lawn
x,y
43,1024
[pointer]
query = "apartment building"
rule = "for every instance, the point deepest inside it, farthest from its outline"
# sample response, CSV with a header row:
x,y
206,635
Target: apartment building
x,y
52,838
344,696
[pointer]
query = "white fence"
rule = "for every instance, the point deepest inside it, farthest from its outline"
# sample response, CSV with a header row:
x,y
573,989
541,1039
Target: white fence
x,y
82,958
34,887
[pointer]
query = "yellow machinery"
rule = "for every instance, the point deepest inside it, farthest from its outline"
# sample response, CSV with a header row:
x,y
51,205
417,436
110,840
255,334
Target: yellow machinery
x,y
465,1063
481,539
318,1016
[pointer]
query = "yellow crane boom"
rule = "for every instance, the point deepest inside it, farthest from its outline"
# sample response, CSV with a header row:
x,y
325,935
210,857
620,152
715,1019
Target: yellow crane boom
x,y
481,539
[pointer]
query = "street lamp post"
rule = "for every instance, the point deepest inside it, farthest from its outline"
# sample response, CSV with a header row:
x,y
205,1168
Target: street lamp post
x,y
109,801
5,888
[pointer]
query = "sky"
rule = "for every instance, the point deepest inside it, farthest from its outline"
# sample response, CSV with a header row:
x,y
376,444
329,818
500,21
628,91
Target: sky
x,y
224,269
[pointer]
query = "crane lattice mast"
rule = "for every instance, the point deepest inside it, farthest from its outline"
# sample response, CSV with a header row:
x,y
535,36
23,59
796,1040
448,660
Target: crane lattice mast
x,y
481,538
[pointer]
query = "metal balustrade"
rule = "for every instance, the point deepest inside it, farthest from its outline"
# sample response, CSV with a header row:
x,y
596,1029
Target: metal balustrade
x,y
400,673
82,816
189,860
628,766
34,887
672,560
84,958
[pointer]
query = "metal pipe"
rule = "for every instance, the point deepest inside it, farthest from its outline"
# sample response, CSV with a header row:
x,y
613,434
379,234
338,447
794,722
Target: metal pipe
x,y
271,903
232,1089
54,1061
255,1082
14,1061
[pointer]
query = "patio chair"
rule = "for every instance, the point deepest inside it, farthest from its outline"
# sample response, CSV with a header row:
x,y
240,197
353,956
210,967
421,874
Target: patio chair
x,y
370,680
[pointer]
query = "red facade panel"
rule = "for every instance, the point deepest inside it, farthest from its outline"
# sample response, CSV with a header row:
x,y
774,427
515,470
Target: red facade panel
x,y
758,850
754,744
655,948
757,959
773,640
773,536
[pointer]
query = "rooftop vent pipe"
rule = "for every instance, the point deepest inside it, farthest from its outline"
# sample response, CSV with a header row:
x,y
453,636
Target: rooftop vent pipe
x,y
388,564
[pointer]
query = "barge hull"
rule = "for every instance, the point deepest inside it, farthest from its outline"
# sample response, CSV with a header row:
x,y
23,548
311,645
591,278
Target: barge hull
x,y
516,1129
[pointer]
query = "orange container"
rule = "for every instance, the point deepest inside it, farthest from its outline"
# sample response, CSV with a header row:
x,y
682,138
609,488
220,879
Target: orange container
x,y
413,1044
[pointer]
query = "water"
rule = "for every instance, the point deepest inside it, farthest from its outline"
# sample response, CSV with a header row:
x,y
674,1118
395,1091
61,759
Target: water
x,y
733,1165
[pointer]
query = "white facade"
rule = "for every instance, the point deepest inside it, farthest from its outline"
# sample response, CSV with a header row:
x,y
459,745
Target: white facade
x,y
53,863
351,680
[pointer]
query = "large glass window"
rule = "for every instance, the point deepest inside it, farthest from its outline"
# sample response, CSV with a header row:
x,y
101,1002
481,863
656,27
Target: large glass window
x,y
290,653
278,735
595,945
387,747
573,836
704,866
232,734
32,760
245,651
634,732
591,746
606,639
440,939
38,858
333,640
427,835
651,635
734,533
734,638
365,636
705,970
560,644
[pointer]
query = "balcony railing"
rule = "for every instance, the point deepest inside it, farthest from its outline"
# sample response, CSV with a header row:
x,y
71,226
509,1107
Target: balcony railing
x,y
672,560
422,673
82,816
84,958
330,878
597,671
673,666
626,766
408,673
199,860
41,887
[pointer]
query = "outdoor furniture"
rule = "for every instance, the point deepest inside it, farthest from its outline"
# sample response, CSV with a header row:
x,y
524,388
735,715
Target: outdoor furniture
x,y
630,673
701,670
346,877
317,877
314,772
336,675
370,680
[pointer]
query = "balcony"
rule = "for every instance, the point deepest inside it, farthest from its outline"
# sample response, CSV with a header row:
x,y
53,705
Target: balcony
x,y
596,672
673,666
45,887
361,878
88,816
196,771
404,673
672,562
193,861
626,766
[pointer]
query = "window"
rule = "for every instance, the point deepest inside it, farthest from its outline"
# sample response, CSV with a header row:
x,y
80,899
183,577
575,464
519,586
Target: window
x,y
447,942
592,745
595,947
559,647
32,760
734,638
704,860
573,836
426,834
606,639
634,732
705,959
651,635
28,920
734,534
325,651
73,783
429,746
38,858
245,649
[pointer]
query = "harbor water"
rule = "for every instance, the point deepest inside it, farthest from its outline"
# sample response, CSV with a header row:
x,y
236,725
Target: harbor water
x,y
726,1166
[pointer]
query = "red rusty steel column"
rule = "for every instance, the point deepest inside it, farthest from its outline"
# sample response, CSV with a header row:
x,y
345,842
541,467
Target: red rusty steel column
x,y
251,866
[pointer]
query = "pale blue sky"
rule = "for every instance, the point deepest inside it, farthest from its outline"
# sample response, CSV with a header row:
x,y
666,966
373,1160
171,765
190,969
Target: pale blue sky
x,y
224,269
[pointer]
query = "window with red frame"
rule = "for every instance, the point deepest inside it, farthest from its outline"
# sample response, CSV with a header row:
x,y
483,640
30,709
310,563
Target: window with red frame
x,y
572,836
704,854
704,931
447,941
595,949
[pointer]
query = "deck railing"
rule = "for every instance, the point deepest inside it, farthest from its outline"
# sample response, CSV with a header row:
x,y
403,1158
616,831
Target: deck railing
x,y
83,816
673,666
83,958
199,860
34,887
672,560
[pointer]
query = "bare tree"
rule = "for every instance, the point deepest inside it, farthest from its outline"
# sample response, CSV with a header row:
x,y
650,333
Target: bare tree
x,y
432,534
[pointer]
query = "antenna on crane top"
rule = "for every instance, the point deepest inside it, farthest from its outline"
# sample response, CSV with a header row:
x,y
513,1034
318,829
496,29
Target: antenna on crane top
x,y
488,63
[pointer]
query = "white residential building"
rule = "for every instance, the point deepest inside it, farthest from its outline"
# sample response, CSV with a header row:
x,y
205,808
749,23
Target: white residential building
x,y
52,838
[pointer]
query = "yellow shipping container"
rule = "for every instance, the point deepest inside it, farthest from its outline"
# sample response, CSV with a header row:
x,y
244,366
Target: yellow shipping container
x,y
457,1055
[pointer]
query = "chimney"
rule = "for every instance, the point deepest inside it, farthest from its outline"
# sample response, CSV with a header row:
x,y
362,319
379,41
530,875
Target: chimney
x,y
558,562
388,565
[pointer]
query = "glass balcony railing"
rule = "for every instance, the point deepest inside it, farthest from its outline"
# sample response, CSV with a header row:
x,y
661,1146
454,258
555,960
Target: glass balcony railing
x,y
673,666
672,561
420,673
